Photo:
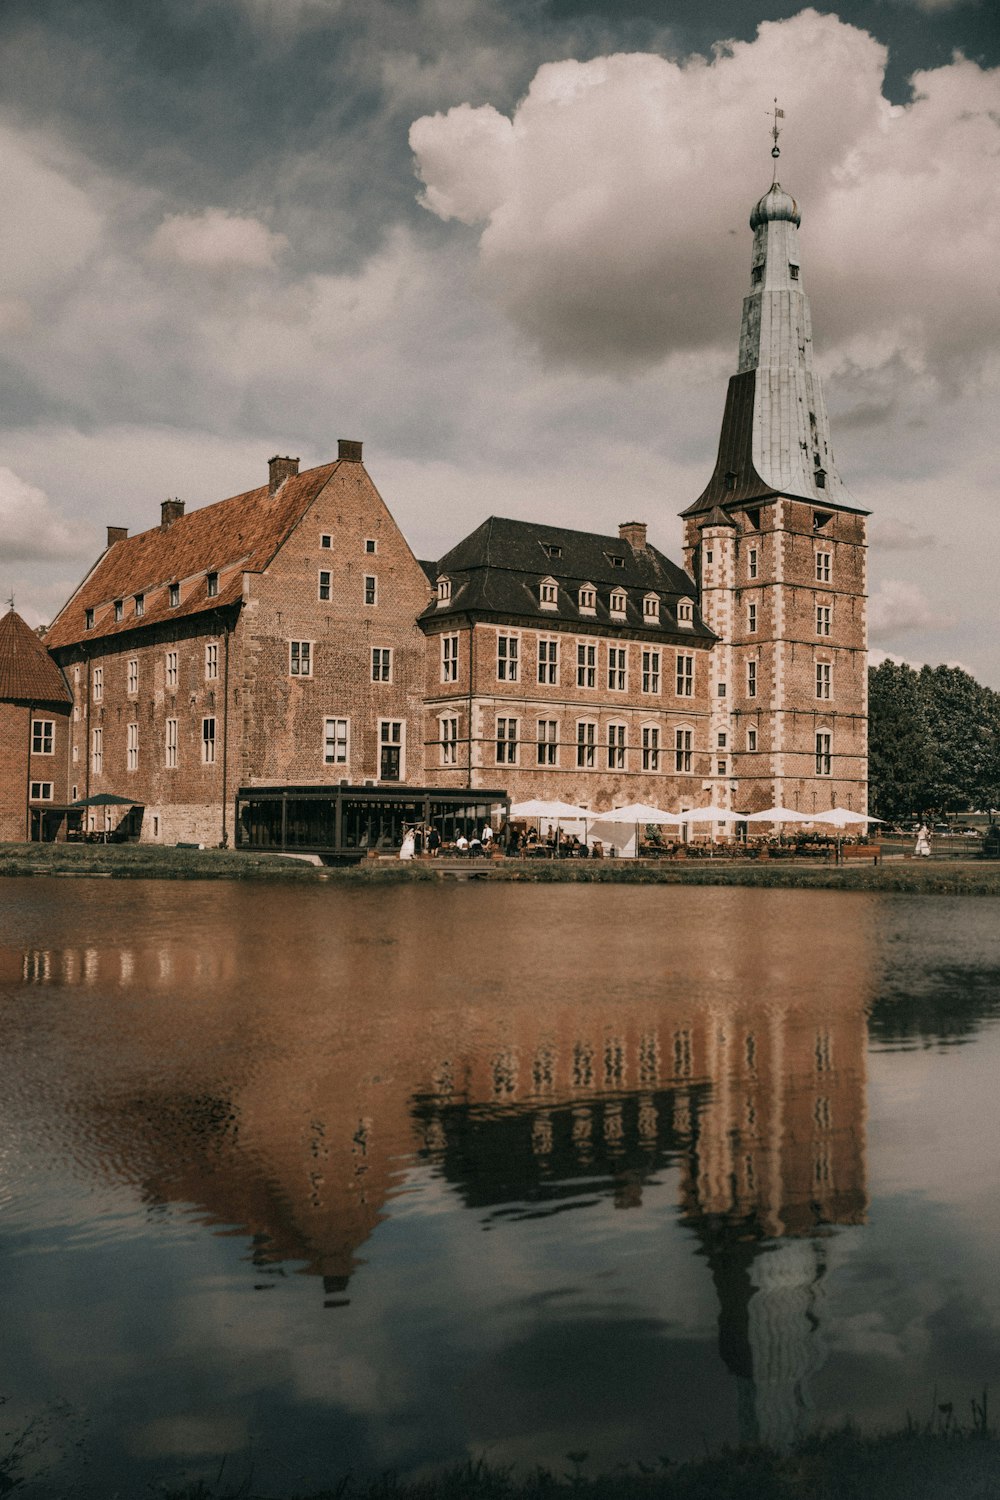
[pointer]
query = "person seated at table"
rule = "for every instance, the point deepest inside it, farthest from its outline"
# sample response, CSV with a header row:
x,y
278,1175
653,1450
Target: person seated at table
x,y
475,844
462,844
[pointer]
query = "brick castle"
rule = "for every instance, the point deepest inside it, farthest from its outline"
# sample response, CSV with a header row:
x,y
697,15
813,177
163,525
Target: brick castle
x,y
289,636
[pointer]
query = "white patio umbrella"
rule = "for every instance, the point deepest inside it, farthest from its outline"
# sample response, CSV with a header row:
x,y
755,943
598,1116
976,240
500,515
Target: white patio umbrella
x,y
778,815
640,812
565,812
841,817
713,813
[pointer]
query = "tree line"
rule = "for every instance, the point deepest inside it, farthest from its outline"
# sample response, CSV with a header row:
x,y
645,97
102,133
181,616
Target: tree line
x,y
933,741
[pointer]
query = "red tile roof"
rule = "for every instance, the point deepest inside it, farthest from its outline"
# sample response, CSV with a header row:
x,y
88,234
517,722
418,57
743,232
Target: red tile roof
x,y
27,672
231,537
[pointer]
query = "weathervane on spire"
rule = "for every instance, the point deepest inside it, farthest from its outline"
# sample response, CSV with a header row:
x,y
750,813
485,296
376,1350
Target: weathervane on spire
x,y
777,114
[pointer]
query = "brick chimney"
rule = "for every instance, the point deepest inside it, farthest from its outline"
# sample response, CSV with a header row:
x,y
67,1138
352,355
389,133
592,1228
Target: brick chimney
x,y
633,532
116,534
349,451
170,511
280,469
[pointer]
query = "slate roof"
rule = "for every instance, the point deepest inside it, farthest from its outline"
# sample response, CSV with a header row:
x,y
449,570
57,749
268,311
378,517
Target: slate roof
x,y
231,537
498,568
28,673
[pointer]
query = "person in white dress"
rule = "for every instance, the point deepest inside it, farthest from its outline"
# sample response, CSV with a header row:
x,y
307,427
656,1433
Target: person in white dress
x,y
923,846
409,845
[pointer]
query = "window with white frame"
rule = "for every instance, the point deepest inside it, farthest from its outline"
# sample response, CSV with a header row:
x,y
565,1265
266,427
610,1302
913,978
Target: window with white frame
x,y
824,679
371,545
548,593
751,618
824,752
682,750
650,747
41,791
449,740
823,614
132,676
98,689
751,740
444,590
720,767
325,585
685,676
132,747
751,562
751,679
586,740
211,660
335,742
720,690
548,661
507,657
547,742
685,614
381,664
371,589
300,658
823,566
43,735
170,745
171,674
391,749
587,598
208,741
449,658
325,541
586,665
617,668
651,671
651,607
721,739
97,751
506,742
616,747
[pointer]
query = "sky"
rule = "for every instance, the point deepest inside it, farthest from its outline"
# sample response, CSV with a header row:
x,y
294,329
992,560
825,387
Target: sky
x,y
505,245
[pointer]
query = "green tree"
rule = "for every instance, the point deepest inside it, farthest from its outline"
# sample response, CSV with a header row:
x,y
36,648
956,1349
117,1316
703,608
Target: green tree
x,y
899,742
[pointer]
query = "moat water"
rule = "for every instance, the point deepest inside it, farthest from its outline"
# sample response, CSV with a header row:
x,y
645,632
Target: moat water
x,y
303,1181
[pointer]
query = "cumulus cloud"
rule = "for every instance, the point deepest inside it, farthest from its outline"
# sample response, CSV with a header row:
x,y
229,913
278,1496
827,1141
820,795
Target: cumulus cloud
x,y
613,202
30,528
897,607
214,239
49,227
893,534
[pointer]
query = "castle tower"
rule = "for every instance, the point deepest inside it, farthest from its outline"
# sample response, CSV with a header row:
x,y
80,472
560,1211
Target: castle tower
x,y
778,549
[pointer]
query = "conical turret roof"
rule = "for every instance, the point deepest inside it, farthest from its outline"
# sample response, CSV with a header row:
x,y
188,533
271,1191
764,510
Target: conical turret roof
x,y
28,673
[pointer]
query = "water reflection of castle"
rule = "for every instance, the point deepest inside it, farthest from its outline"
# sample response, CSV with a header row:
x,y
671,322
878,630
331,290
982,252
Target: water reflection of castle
x,y
297,1126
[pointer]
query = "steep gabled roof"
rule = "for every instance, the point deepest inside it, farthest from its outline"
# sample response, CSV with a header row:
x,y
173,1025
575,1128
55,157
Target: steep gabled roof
x,y
231,537
27,672
498,568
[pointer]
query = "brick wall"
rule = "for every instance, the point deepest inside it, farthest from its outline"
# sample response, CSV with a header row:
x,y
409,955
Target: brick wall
x,y
21,767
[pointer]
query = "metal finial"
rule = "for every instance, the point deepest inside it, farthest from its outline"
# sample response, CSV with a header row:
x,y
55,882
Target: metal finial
x,y
778,114
10,601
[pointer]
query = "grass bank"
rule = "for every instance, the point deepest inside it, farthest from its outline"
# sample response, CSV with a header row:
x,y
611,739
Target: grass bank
x,y
910,1465
148,862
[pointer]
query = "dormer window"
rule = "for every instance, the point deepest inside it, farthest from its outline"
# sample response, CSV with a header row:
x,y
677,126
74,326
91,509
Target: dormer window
x,y
731,478
619,602
793,270
88,619
444,590
753,517
119,610
140,605
548,593
820,478
617,562
213,585
821,518
587,598
651,607
685,614
173,595
552,549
